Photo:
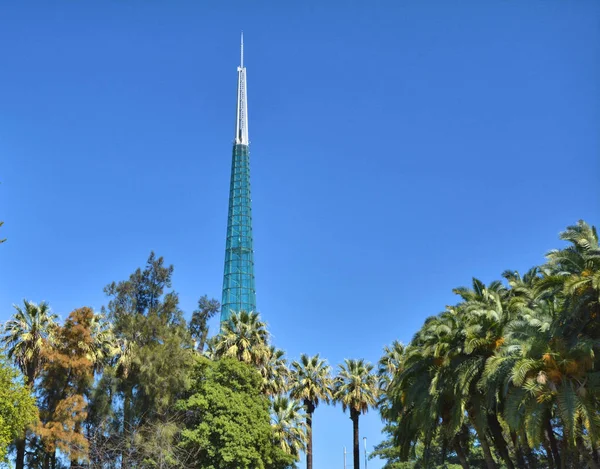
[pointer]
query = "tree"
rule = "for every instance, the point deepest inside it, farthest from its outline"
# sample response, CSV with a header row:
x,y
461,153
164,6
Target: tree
x,y
289,425
311,383
17,408
24,337
2,240
356,389
66,380
245,338
509,376
151,371
199,323
275,373
227,419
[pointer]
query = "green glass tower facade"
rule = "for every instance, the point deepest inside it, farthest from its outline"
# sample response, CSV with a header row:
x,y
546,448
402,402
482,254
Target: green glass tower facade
x,y
239,293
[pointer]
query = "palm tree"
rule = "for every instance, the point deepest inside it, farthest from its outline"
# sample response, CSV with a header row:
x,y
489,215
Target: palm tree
x,y
24,338
289,427
311,383
25,334
243,337
356,389
275,373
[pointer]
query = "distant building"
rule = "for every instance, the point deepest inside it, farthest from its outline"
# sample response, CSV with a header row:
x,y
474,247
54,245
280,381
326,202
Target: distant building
x,y
239,293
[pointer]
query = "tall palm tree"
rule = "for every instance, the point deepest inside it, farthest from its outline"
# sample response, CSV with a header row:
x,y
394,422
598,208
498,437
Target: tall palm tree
x,y
24,338
275,373
243,337
311,383
289,427
25,334
356,389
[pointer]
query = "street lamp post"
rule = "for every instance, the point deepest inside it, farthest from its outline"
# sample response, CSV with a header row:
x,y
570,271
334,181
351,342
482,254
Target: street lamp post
x,y
365,442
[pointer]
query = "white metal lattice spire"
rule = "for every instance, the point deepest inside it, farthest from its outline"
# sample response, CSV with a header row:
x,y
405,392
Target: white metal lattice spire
x,y
241,121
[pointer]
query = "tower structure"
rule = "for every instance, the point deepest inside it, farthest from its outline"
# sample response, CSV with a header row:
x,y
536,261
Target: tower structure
x,y
238,278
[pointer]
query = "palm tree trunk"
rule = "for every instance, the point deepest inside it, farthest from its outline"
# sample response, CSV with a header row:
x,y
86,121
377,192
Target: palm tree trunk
x,y
499,440
485,447
531,458
549,456
354,417
553,443
461,454
595,452
310,408
585,454
518,451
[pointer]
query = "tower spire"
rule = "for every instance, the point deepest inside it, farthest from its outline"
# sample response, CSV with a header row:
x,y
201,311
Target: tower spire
x,y
241,121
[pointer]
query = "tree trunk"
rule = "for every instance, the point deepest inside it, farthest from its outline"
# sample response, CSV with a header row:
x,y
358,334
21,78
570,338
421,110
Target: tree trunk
x,y
531,457
354,417
20,460
553,444
549,456
499,440
585,454
310,408
595,452
518,451
461,454
487,454
126,429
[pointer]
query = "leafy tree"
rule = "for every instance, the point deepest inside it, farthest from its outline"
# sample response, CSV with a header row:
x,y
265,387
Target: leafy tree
x,y
227,419
311,383
17,408
199,323
23,339
356,389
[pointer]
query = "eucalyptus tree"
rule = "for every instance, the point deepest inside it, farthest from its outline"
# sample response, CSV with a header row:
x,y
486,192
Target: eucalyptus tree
x,y
24,337
356,389
311,383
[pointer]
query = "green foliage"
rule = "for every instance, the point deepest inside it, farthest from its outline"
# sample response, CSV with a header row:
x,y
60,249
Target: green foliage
x,y
228,424
155,346
199,322
245,338
17,407
516,367
25,335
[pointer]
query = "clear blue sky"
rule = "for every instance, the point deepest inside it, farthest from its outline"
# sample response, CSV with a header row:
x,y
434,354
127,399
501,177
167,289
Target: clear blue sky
x,y
398,149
